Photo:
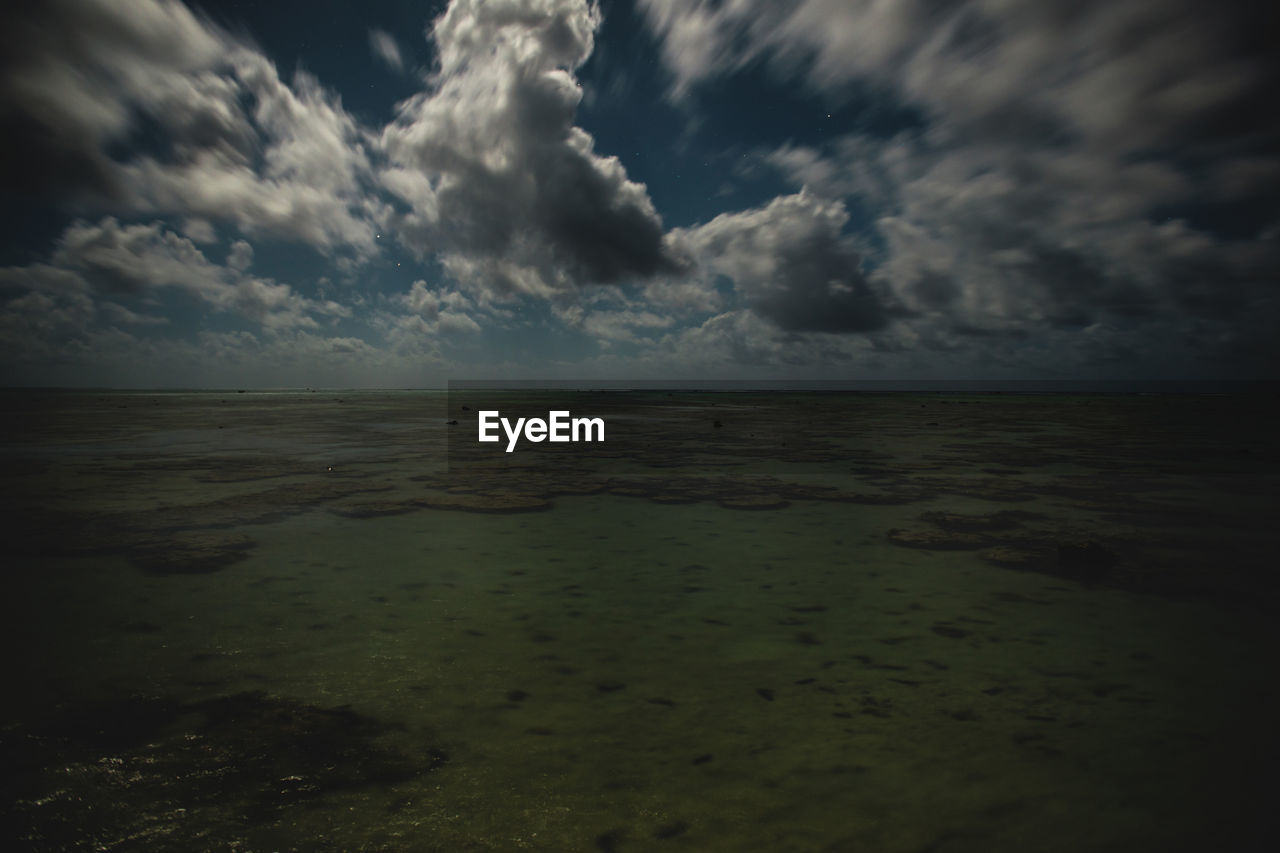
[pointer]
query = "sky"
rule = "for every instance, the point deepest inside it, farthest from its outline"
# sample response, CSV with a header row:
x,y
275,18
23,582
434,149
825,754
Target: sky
x,y
395,194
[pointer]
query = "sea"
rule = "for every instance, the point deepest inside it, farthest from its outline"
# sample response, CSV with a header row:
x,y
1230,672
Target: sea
x,y
787,619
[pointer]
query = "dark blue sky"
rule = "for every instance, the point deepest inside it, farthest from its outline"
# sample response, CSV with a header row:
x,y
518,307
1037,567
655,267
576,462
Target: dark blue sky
x,y
393,193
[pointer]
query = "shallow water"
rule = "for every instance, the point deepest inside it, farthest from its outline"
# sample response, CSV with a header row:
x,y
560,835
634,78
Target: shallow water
x,y
836,622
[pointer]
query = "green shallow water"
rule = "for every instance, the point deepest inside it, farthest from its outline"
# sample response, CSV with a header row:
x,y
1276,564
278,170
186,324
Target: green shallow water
x,y
619,672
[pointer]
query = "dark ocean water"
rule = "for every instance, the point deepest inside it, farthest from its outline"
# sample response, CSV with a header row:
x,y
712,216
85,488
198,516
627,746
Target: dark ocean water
x,y
773,621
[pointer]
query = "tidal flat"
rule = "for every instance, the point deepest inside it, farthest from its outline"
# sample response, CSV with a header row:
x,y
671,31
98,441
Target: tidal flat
x,y
745,622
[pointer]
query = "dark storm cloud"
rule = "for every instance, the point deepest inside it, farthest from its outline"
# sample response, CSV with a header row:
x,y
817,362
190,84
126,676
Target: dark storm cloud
x,y
491,170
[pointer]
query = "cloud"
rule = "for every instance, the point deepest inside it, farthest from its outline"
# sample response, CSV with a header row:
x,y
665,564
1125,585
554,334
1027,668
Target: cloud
x,y
1071,177
37,326
240,257
791,264
490,171
109,259
227,140
384,47
114,357
311,181
122,316
1018,236
1069,181
612,326
199,230
1120,75
432,311
107,307
75,72
742,344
